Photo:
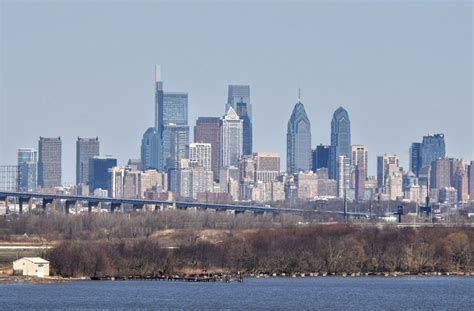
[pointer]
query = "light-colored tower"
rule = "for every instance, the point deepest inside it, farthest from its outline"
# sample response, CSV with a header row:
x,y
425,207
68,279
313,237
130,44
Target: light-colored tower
x,y
231,139
200,155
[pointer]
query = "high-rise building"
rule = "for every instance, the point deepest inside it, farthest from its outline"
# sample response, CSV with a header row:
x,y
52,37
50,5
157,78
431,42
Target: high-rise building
x,y
360,155
440,175
151,150
231,139
238,97
471,180
49,162
27,163
298,141
267,166
386,165
320,157
200,155
175,108
175,144
432,148
99,172
415,158
460,183
158,100
207,130
340,140
343,175
86,149
9,177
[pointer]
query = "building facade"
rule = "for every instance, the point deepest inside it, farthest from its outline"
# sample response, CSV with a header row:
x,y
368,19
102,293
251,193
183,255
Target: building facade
x,y
340,141
86,149
200,155
9,177
320,157
207,130
433,147
231,139
298,141
151,150
99,172
49,162
415,158
28,165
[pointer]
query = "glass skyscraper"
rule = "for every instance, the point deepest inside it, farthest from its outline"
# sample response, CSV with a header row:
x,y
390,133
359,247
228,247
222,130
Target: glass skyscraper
x,y
159,124
340,141
99,175
432,148
238,98
298,141
27,163
320,157
415,158
150,150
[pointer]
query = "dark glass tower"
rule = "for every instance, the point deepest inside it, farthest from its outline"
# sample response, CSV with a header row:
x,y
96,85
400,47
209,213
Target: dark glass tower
x,y
159,122
415,158
340,140
238,98
150,150
432,148
320,157
99,175
298,141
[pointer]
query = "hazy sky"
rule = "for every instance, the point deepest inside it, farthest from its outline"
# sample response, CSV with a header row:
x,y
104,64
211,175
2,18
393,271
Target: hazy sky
x,y
402,70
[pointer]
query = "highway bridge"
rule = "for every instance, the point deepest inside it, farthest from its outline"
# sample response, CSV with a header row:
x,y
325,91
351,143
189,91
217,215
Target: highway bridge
x,y
70,201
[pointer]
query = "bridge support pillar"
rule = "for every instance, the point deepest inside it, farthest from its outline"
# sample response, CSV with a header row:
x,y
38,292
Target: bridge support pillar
x,y
114,206
22,200
45,202
68,205
90,205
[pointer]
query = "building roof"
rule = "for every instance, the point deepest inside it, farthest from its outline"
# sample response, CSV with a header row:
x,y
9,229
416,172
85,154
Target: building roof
x,y
37,260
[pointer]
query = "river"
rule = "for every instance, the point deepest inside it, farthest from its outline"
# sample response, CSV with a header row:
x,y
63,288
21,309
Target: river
x,y
319,293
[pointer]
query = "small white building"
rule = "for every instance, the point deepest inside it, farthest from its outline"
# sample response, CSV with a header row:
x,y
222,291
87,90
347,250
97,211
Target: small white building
x,y
31,266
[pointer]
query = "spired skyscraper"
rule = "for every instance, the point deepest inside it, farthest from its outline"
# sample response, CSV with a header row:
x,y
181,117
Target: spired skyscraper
x,y
86,149
298,141
340,151
231,139
238,97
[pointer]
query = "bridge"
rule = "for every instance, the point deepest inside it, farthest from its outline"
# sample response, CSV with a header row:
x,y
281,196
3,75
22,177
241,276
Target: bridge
x,y
116,203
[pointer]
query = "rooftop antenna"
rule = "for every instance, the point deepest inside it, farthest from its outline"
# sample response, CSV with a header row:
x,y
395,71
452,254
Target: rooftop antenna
x,y
299,95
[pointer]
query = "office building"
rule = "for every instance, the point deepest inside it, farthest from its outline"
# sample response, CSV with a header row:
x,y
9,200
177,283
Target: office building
x,y
200,155
99,172
27,163
386,165
440,176
86,149
267,166
415,158
231,139
320,157
175,144
461,183
151,150
9,177
432,148
360,158
49,162
471,181
340,141
207,130
298,141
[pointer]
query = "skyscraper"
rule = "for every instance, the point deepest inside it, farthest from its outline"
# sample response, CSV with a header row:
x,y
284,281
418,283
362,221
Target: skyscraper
x,y
159,124
9,177
298,141
471,181
238,98
360,155
200,155
150,150
99,172
415,158
386,166
320,157
432,148
231,139
86,149
340,140
175,128
440,176
49,162
175,144
207,130
27,163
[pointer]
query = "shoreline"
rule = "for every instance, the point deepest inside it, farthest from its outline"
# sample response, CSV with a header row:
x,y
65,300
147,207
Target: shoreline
x,y
4,280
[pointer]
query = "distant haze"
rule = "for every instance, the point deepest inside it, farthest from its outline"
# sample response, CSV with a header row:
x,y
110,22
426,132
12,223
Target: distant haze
x,y
401,69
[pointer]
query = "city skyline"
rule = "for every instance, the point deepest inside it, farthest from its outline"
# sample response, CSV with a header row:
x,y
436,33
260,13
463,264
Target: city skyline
x,y
322,90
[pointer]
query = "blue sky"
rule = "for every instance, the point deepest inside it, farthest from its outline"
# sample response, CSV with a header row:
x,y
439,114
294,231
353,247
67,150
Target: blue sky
x,y
401,69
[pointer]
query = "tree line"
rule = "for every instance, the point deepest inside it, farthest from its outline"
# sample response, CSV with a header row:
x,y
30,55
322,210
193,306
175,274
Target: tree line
x,y
337,248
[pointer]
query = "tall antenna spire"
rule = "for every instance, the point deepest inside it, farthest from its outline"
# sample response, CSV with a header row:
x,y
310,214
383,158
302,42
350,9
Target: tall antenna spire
x,y
299,95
